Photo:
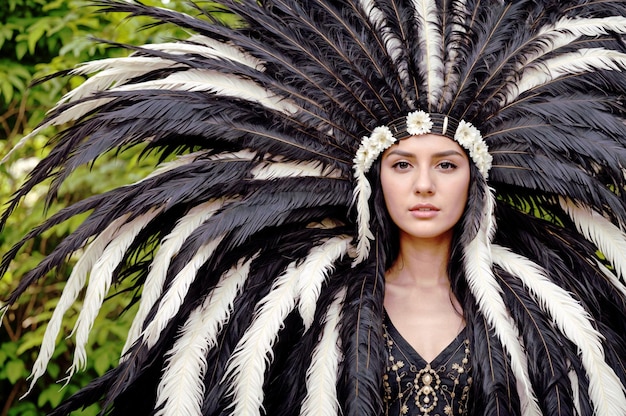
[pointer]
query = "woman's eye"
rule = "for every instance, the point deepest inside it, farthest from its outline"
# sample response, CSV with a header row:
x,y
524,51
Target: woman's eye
x,y
401,165
447,165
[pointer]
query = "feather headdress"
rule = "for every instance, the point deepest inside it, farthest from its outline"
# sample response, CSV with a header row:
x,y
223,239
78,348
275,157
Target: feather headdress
x,y
263,271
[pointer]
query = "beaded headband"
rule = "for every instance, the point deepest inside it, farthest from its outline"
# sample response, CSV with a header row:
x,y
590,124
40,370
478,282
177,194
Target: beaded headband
x,y
382,137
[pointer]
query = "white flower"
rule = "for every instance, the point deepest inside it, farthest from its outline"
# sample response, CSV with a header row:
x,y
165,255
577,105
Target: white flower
x,y
480,155
470,139
382,138
371,147
466,135
418,122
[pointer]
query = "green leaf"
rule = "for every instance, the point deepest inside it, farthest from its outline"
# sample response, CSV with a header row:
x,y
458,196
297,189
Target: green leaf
x,y
36,32
20,50
7,89
15,370
10,349
16,81
6,33
52,394
102,363
53,5
29,343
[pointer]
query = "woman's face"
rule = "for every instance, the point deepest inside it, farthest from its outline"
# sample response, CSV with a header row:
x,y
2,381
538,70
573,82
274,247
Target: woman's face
x,y
425,182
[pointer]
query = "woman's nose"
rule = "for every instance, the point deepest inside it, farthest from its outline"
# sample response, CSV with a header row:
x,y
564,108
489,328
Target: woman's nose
x,y
423,181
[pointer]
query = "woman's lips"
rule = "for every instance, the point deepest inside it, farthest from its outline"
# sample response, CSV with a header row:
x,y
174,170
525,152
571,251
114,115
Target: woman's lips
x,y
424,211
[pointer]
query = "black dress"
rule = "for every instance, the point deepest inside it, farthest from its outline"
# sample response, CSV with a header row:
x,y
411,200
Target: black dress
x,y
413,386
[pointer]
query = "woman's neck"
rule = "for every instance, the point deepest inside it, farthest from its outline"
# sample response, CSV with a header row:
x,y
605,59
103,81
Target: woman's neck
x,y
421,262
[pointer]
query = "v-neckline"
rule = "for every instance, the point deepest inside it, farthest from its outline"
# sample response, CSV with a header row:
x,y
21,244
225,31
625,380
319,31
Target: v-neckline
x,y
407,348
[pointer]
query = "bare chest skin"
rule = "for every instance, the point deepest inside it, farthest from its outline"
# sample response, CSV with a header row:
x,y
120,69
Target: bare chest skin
x,y
424,314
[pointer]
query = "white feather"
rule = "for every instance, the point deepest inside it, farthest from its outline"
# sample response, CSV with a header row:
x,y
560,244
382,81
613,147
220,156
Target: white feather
x,y
316,268
361,196
594,227
562,33
484,287
74,285
578,62
112,72
321,377
244,154
273,170
605,388
211,49
181,389
247,365
136,65
170,246
488,295
217,83
566,30
78,278
171,300
77,110
431,43
100,282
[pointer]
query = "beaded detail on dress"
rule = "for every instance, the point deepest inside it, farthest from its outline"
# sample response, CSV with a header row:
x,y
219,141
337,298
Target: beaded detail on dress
x,y
415,387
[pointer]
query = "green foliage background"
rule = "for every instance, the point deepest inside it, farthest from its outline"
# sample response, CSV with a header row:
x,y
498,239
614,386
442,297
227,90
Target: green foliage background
x,y
38,38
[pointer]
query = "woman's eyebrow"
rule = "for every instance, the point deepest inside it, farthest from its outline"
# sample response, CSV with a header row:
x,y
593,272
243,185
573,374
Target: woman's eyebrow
x,y
448,153
445,153
399,152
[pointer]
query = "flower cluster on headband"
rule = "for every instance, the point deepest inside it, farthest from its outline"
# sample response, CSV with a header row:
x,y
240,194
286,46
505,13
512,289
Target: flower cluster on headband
x,y
372,146
418,123
471,140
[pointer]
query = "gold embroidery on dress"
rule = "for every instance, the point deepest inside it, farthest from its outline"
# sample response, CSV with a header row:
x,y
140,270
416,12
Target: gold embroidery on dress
x,y
423,387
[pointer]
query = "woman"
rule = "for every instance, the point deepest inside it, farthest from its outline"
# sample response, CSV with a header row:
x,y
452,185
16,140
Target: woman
x,y
268,257
425,182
